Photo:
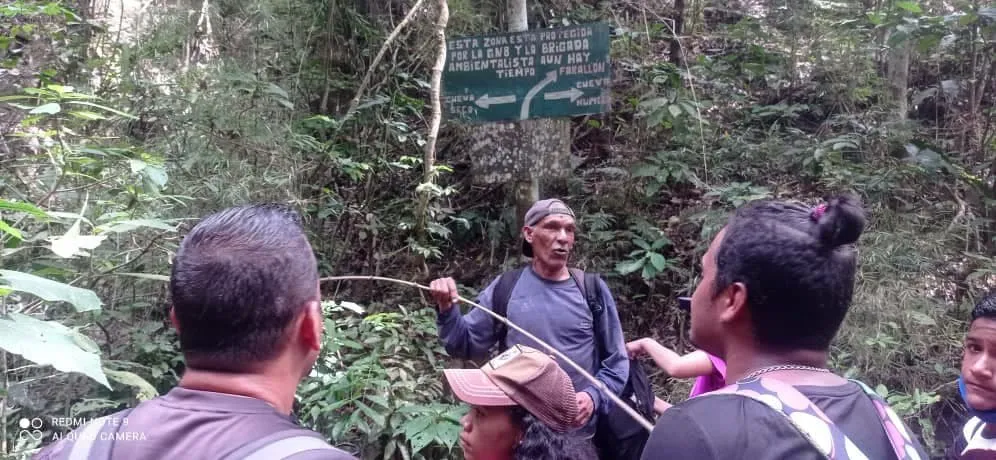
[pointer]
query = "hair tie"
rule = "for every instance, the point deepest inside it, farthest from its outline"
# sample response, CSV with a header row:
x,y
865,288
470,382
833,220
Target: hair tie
x,y
818,211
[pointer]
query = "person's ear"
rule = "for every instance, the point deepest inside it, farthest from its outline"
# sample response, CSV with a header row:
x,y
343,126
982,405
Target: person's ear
x,y
311,326
733,303
527,234
172,319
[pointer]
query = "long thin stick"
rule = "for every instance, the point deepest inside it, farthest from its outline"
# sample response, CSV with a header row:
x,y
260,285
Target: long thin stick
x,y
601,386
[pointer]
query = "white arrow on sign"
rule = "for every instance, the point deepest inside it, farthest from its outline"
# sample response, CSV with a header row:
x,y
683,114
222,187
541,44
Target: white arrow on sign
x,y
551,77
486,101
573,94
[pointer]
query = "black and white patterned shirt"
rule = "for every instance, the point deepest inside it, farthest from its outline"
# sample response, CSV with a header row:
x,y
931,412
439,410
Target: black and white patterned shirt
x,y
973,444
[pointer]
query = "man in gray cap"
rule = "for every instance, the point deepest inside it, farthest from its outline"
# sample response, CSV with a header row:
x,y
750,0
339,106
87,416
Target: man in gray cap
x,y
549,300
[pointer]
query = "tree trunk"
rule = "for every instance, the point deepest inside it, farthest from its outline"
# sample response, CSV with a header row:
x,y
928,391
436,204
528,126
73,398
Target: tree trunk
x,y
898,75
435,87
679,27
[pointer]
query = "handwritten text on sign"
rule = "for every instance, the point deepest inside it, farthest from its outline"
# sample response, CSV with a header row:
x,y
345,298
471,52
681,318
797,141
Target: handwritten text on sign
x,y
533,74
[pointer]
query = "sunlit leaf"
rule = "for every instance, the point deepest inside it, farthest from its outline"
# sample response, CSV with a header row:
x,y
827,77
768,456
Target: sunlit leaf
x,y
52,291
156,174
49,343
355,308
50,108
72,243
136,165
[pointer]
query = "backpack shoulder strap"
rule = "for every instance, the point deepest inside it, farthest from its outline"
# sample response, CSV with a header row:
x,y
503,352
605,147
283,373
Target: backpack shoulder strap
x,y
899,434
102,429
801,413
590,290
592,293
499,301
280,445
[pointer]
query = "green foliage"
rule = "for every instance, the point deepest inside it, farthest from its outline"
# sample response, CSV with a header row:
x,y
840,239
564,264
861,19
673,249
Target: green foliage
x,y
378,384
20,23
664,169
75,211
647,259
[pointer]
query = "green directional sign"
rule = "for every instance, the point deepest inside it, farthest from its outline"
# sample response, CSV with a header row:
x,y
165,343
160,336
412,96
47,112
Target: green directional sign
x,y
542,73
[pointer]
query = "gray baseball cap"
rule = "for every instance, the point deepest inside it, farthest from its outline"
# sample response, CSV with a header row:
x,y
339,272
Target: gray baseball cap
x,y
539,211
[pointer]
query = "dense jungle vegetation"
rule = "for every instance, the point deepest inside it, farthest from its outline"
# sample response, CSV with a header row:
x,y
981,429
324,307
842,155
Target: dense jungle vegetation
x,y
123,122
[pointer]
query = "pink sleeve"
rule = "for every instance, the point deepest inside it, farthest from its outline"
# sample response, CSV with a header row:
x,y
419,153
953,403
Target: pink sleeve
x,y
718,364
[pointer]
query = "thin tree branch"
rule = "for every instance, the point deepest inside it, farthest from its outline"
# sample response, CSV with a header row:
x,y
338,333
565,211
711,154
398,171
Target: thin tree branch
x,y
380,55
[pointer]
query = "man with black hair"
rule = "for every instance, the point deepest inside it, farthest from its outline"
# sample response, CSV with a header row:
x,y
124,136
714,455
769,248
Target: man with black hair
x,y
246,304
547,301
776,285
977,385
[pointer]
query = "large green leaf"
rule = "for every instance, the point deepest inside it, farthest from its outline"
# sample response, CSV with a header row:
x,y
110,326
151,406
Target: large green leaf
x,y
658,261
416,430
50,343
52,291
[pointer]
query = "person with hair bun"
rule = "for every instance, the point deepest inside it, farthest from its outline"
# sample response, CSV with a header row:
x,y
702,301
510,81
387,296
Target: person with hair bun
x,y
777,282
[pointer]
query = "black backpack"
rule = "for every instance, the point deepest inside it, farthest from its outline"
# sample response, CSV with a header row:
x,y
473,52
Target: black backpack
x,y
618,436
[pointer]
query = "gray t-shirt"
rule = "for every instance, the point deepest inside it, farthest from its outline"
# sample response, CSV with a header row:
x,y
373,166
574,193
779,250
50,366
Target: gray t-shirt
x,y
193,424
